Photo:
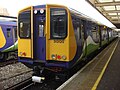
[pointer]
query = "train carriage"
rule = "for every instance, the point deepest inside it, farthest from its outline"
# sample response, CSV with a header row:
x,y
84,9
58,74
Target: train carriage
x,y
56,38
8,38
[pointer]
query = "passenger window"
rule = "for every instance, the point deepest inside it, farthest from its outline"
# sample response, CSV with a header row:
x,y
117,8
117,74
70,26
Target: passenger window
x,y
82,34
95,34
104,35
8,32
110,33
78,32
77,27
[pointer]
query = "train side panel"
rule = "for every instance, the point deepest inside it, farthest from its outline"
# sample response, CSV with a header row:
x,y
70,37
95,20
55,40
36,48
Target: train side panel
x,y
8,36
2,38
92,41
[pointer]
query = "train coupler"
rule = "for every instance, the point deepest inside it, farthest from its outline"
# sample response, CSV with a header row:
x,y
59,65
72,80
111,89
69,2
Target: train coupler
x,y
38,79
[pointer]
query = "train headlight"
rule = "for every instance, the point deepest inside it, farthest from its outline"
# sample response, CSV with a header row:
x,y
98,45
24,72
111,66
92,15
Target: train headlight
x,y
64,57
53,56
41,11
35,11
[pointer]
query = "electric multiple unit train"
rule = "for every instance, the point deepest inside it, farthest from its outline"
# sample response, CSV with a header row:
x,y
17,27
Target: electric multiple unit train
x,y
8,37
55,38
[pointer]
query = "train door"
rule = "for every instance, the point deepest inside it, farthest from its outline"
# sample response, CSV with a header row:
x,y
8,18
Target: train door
x,y
39,37
25,39
84,36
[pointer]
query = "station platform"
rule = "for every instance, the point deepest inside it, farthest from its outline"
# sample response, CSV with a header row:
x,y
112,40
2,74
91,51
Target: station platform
x,y
101,73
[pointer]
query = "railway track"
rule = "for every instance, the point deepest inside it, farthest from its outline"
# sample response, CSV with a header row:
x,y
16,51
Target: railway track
x,y
7,62
21,84
13,75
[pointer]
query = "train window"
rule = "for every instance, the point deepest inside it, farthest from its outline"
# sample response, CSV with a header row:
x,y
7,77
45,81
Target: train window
x,y
15,31
110,33
24,24
8,32
41,30
95,34
82,33
104,35
58,23
78,33
77,26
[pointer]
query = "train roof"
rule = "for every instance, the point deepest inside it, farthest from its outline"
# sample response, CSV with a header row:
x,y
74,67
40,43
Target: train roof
x,y
8,16
8,20
83,16
13,23
77,13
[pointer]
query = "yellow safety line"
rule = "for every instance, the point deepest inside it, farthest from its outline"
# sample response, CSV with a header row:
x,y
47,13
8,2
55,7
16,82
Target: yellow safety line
x,y
101,74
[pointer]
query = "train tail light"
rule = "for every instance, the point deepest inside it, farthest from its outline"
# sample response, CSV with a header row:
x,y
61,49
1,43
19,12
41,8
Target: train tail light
x,y
58,57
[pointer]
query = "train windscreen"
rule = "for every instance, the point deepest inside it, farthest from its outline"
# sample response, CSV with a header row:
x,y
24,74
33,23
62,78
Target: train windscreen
x,y
58,23
24,24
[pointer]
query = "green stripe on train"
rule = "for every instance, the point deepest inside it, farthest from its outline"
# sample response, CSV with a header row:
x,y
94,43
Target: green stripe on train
x,y
104,42
12,48
90,49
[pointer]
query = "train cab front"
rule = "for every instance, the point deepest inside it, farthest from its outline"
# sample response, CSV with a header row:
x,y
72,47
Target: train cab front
x,y
46,36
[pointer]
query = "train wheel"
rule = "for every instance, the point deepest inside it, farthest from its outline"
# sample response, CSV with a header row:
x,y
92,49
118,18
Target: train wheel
x,y
11,55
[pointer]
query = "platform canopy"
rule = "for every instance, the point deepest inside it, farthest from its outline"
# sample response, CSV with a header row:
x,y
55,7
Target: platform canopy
x,y
110,9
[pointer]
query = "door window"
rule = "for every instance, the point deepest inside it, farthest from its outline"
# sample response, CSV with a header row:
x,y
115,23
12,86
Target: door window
x,y
24,24
41,30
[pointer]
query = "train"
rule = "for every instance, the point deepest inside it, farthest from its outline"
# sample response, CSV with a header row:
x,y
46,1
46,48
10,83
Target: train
x,y
8,38
55,38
